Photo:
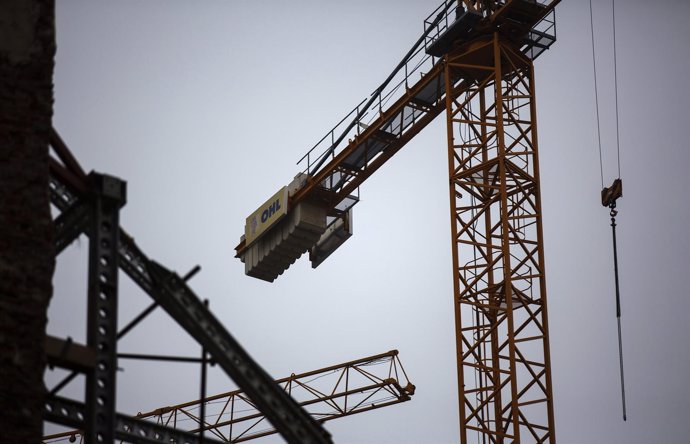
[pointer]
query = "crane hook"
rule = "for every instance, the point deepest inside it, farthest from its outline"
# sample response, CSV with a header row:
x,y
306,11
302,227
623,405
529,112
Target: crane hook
x,y
608,199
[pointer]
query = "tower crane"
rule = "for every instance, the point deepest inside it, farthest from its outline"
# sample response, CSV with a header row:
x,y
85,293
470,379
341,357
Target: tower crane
x,y
475,62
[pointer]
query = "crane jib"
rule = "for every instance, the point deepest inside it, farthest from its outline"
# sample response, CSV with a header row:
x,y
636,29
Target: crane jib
x,y
406,102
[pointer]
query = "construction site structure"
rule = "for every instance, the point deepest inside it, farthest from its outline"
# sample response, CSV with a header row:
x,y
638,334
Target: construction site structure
x,y
474,61
329,393
89,204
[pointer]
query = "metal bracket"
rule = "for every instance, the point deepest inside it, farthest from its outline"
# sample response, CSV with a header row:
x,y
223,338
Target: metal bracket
x,y
70,224
70,355
611,194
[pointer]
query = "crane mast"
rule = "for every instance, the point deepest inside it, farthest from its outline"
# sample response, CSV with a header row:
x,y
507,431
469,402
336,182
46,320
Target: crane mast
x,y
498,258
480,71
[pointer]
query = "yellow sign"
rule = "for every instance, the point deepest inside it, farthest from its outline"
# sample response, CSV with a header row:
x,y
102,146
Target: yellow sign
x,y
266,216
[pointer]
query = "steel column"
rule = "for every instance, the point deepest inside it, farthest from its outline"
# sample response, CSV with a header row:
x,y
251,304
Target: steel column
x,y
107,198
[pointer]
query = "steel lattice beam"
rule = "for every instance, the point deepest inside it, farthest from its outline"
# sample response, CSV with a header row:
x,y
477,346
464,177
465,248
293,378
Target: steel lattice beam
x,y
329,393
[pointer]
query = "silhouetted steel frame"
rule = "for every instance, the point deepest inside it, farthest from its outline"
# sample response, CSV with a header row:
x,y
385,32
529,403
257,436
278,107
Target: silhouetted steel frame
x,y
502,339
71,413
70,191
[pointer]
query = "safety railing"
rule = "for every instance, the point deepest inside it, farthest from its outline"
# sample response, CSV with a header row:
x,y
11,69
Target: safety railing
x,y
438,26
370,109
541,37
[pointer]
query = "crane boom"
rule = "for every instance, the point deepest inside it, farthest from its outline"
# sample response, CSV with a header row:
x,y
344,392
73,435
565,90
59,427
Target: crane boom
x,y
329,393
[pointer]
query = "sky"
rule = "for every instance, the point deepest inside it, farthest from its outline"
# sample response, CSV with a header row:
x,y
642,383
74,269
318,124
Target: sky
x,y
205,107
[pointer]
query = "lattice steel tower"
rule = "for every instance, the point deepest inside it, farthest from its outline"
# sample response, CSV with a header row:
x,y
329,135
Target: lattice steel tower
x,y
498,258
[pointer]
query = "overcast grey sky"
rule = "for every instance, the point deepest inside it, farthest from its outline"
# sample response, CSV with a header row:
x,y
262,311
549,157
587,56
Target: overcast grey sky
x,y
204,108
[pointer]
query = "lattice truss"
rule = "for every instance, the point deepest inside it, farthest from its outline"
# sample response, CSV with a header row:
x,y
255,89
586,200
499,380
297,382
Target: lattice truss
x,y
502,334
326,394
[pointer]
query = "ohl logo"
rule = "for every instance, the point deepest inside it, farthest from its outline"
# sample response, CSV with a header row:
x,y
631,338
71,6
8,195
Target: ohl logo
x,y
270,211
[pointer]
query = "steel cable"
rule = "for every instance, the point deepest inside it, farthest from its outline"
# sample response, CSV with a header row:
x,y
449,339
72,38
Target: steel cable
x,y
596,94
615,83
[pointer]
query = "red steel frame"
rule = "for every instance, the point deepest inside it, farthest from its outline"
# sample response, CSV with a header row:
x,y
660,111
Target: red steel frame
x,y
502,337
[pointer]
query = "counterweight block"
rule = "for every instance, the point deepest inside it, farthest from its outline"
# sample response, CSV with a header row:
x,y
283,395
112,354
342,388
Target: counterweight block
x,y
273,253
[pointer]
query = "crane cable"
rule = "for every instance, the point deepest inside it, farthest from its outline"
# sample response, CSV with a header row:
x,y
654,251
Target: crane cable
x,y
615,87
596,94
611,194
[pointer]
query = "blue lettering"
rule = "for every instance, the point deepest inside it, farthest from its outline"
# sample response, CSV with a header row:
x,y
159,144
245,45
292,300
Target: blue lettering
x,y
275,206
270,211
